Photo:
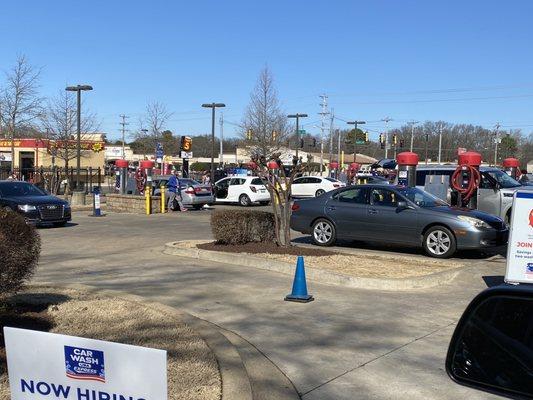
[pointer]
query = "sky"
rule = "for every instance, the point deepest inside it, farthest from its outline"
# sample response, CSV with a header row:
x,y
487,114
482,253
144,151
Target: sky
x,y
456,61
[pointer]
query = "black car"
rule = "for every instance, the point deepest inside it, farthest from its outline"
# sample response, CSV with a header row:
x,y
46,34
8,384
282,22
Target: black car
x,y
34,204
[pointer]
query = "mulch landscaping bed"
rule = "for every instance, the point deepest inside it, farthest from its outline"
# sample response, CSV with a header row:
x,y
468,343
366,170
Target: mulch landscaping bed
x,y
263,247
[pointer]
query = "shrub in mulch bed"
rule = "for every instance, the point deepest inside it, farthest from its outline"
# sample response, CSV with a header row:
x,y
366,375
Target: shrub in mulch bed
x,y
20,246
242,226
271,247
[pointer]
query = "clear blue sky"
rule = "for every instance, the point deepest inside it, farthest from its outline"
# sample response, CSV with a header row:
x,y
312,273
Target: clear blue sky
x,y
458,61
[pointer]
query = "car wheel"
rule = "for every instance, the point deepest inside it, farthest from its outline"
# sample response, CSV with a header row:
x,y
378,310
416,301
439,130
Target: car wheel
x,y
323,232
244,200
319,192
439,242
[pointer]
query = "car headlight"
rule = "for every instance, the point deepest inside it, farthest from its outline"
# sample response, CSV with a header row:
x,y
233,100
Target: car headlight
x,y
477,223
27,207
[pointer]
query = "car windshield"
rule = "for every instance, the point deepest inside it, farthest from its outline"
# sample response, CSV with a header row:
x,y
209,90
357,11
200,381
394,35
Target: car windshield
x,y
503,179
11,189
421,198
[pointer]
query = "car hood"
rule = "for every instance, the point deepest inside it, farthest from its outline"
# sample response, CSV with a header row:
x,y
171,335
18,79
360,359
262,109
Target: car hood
x,y
465,211
36,200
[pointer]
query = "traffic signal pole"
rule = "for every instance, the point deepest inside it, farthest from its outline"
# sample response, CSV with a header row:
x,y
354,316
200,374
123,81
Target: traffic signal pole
x,y
355,123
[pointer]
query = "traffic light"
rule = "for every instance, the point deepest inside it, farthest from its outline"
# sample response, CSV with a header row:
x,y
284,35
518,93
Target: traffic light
x,y
401,143
366,136
249,134
301,143
274,135
186,143
314,142
382,139
394,139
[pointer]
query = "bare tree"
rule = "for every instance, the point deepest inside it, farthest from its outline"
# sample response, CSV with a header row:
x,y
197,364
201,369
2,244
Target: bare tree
x,y
264,125
155,120
60,125
20,102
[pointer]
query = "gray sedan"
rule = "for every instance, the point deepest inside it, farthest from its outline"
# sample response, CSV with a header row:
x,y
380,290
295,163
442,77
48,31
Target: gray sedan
x,y
396,214
193,193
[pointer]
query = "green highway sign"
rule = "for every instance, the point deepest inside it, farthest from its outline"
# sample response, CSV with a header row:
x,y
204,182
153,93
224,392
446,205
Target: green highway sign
x,y
301,131
360,141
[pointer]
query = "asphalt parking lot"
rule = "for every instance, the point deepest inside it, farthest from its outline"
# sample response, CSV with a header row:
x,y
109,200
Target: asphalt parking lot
x,y
349,343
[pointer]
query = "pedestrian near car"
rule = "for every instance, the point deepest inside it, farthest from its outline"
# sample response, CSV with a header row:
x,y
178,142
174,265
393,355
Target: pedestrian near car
x,y
174,189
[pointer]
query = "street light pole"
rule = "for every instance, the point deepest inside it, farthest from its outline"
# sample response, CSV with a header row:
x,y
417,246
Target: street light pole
x,y
386,120
355,123
496,142
412,123
78,89
297,116
212,106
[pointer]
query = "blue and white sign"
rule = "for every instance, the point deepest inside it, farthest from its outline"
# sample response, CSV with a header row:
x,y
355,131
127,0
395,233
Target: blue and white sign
x,y
66,367
159,153
520,248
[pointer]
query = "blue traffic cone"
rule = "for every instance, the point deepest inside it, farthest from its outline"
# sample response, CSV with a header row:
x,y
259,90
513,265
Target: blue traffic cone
x,y
299,287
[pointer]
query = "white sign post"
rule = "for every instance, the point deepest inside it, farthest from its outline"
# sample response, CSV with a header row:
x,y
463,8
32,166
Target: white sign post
x,y
520,248
50,366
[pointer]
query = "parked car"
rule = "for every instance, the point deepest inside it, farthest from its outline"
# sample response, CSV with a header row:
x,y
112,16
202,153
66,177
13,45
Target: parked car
x,y
34,204
244,190
495,193
396,214
492,346
193,193
314,186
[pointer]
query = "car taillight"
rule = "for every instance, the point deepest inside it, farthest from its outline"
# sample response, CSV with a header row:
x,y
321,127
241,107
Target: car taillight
x,y
190,190
295,207
253,189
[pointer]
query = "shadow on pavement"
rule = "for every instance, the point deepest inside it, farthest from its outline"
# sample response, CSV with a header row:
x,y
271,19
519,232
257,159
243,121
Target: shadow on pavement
x,y
50,226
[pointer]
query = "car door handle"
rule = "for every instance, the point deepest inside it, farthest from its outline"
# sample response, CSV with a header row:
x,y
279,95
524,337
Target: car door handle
x,y
372,211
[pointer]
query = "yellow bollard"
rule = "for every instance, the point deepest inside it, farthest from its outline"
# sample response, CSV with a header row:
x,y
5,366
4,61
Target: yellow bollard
x,y
162,188
147,198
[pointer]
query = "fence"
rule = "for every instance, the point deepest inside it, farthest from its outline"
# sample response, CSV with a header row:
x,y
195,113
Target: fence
x,y
57,180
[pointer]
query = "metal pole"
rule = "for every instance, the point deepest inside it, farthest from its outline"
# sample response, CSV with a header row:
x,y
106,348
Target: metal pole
x,y
331,135
221,157
78,145
440,143
213,144
297,134
496,142
427,140
413,123
355,142
339,148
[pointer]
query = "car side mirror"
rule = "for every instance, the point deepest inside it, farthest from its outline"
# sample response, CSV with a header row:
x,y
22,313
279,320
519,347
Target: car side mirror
x,y
403,205
492,346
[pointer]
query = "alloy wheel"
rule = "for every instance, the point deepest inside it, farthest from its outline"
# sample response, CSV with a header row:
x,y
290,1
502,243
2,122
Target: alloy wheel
x,y
438,242
323,232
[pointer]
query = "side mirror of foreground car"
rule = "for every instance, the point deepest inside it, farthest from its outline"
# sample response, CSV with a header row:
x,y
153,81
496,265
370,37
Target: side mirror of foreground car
x,y
403,205
492,346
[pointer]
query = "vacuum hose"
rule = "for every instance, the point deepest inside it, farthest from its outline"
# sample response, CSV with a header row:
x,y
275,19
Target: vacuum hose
x,y
474,178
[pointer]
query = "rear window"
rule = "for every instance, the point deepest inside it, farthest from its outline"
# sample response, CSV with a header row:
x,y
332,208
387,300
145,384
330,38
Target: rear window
x,y
257,181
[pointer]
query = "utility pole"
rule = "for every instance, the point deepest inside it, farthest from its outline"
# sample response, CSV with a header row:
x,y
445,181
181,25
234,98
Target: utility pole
x,y
213,106
221,156
123,129
440,142
297,116
355,123
496,142
331,135
412,123
339,148
324,113
386,120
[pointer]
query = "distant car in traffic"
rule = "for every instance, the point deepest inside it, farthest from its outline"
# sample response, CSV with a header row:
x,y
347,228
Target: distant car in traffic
x,y
314,186
34,204
244,190
193,193
396,214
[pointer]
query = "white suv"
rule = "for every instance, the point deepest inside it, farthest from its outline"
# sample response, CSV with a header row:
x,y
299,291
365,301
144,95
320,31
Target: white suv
x,y
244,190
314,186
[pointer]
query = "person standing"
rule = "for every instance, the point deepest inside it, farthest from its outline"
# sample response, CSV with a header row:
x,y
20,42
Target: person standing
x,y
174,189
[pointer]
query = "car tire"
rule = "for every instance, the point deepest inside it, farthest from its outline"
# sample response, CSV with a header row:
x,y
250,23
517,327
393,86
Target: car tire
x,y
244,200
323,232
60,224
439,242
319,192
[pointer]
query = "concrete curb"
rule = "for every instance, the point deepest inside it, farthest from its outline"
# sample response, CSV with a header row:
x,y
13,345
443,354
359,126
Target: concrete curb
x,y
235,381
314,274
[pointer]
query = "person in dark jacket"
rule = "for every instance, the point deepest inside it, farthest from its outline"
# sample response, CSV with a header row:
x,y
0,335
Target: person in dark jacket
x,y
174,189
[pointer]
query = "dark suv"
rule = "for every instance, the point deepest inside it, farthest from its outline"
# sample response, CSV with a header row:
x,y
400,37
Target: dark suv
x,y
34,204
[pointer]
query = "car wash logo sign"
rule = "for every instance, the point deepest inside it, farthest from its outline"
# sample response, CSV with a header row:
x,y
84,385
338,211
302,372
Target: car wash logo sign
x,y
84,364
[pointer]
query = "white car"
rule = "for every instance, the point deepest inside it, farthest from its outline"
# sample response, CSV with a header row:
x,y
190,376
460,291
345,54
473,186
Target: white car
x,y
244,190
314,186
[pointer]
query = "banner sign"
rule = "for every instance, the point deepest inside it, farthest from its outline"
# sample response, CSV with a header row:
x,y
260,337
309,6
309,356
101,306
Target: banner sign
x,y
520,248
186,154
76,368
